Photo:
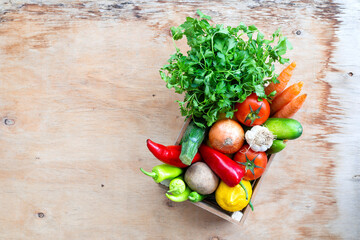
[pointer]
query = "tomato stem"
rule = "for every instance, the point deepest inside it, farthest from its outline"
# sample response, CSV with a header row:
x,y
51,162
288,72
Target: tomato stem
x,y
250,164
253,115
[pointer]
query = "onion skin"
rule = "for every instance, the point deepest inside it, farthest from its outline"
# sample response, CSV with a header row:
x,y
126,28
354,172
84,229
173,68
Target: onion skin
x,y
226,136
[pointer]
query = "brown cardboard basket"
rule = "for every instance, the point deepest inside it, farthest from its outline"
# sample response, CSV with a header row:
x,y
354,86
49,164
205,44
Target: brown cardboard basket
x,y
211,206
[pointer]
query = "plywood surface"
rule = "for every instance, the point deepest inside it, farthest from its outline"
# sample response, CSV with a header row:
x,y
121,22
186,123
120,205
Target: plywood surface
x,y
80,93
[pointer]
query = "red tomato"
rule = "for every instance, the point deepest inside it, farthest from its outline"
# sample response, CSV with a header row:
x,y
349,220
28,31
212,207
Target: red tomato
x,y
251,112
253,163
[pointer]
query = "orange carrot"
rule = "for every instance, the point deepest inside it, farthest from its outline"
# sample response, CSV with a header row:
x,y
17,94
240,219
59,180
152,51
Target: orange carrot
x,y
284,78
285,97
291,108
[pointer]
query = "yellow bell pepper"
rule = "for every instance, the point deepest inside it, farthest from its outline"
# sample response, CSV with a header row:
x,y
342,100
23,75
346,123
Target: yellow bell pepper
x,y
233,199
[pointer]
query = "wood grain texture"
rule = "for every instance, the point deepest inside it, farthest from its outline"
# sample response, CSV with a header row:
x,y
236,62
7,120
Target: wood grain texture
x,y
80,93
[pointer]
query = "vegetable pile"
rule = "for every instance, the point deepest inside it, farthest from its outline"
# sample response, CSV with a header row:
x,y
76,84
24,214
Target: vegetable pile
x,y
240,112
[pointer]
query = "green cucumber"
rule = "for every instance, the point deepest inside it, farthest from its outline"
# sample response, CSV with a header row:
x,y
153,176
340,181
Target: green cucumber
x,y
191,142
284,128
277,146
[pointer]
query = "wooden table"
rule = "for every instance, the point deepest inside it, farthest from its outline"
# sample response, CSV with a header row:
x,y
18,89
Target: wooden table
x,y
80,93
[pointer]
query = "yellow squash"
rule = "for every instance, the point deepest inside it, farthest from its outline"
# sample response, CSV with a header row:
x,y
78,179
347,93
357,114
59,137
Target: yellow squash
x,y
233,199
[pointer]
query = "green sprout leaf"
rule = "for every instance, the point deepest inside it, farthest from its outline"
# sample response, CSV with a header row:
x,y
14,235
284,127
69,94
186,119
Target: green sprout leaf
x,y
223,66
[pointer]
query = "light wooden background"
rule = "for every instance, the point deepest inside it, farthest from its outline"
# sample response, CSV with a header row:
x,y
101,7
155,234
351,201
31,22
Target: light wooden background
x,y
80,93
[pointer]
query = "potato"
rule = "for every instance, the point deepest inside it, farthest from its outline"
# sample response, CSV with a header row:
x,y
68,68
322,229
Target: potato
x,y
200,178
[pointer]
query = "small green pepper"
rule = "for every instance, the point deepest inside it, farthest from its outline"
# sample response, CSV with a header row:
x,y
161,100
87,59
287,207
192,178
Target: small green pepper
x,y
177,185
277,146
181,197
164,171
196,197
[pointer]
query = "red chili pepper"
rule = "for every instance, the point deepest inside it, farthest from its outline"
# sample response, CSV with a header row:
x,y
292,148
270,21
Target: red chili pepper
x,y
169,154
227,169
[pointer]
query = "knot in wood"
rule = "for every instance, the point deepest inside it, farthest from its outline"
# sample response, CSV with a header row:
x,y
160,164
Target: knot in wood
x,y
9,122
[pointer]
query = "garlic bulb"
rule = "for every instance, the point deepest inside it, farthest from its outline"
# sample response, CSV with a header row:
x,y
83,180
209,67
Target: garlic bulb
x,y
259,138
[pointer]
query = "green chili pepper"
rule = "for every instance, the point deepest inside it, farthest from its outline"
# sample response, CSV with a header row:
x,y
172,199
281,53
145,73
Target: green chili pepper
x,y
164,171
177,185
277,146
196,197
181,197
